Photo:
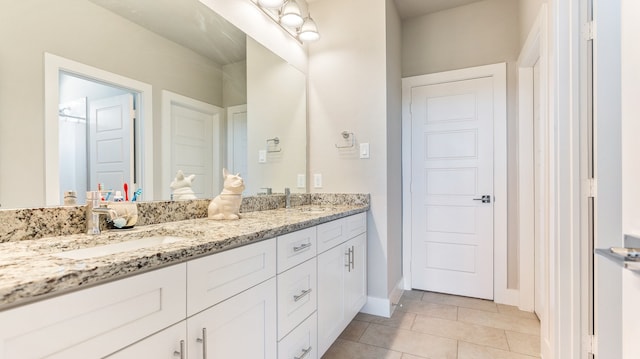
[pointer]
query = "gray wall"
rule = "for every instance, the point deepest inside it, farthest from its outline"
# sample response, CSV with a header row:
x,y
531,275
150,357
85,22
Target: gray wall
x,y
83,32
348,91
481,33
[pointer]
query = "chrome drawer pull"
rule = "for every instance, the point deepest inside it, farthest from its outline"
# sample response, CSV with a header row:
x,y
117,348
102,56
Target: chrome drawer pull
x,y
181,352
304,353
301,295
204,343
301,247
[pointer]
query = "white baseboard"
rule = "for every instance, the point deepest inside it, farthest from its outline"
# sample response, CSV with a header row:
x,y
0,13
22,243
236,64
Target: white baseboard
x,y
384,307
508,297
377,306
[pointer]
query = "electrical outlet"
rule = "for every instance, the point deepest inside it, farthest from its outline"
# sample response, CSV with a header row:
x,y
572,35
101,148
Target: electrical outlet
x,y
262,156
302,181
317,180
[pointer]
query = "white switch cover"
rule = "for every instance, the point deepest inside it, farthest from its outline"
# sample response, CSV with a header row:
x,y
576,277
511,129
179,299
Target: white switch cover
x,y
301,181
364,150
262,156
317,180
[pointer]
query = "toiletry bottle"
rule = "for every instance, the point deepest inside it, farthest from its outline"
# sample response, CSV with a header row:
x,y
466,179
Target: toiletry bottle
x,y
70,198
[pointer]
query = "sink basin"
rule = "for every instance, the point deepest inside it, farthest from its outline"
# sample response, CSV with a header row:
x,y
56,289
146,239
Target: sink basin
x,y
107,249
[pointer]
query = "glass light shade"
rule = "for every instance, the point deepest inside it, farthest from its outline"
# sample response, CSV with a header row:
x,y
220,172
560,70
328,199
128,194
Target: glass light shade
x,y
308,30
291,15
271,4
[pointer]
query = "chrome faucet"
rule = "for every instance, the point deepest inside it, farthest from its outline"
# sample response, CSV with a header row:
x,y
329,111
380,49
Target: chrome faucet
x,y
287,197
268,190
94,210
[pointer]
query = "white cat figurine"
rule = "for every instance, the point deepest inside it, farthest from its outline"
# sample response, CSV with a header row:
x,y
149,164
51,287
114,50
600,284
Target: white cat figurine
x,y
227,204
181,187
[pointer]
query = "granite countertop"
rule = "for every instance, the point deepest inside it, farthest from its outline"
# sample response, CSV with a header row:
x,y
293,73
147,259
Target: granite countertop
x,y
29,270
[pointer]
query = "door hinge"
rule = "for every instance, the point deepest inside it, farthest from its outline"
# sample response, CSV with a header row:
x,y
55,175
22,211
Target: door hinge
x,y
590,188
589,30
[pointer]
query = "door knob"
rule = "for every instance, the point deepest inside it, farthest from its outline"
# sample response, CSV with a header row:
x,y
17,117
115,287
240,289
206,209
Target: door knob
x,y
485,198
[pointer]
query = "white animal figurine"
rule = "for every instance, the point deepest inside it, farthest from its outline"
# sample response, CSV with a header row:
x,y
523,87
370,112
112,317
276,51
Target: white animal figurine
x,y
227,204
181,187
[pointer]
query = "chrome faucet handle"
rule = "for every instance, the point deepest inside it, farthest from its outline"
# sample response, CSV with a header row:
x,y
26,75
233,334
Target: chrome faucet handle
x,y
268,189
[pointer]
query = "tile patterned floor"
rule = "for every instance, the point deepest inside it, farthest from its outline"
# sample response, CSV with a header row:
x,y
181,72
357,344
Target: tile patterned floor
x,y
430,325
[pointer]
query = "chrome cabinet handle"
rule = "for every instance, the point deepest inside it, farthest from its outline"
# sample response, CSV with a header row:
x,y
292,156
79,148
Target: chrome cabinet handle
x,y
301,295
485,198
353,258
181,352
348,264
204,343
304,353
301,247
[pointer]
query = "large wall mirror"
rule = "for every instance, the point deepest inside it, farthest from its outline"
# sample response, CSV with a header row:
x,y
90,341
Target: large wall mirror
x,y
215,98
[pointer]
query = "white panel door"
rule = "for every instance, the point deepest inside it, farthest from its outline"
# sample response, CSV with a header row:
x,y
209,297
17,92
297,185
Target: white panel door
x,y
452,167
111,142
237,139
195,146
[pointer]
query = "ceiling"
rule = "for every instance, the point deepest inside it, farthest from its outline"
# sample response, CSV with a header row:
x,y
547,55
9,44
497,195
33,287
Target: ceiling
x,y
186,22
413,8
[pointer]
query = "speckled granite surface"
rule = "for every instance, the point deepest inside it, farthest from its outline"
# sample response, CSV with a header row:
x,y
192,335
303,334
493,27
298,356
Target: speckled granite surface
x,y
30,270
33,223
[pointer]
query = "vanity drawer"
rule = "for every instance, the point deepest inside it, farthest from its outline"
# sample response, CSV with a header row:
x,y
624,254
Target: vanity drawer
x,y
355,225
295,248
297,296
330,234
214,278
97,321
302,342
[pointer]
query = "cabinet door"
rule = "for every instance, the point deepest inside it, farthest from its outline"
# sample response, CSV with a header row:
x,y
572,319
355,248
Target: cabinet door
x,y
296,296
241,327
167,344
97,321
331,285
356,278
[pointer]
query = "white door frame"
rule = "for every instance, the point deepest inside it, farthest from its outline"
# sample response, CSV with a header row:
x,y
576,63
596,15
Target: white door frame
x,y
53,64
498,73
169,98
534,50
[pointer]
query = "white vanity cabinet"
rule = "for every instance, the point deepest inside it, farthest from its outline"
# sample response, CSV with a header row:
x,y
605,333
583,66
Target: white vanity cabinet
x,y
231,303
170,343
97,321
243,326
342,279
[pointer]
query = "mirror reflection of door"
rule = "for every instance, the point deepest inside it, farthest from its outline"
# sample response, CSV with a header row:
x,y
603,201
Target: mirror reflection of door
x,y
96,122
237,140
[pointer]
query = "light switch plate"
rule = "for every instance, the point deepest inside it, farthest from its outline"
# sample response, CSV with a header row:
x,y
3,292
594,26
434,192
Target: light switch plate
x,y
302,181
364,150
262,156
317,180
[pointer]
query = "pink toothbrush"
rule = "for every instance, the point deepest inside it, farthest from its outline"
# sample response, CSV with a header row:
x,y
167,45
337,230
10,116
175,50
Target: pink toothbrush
x,y
126,192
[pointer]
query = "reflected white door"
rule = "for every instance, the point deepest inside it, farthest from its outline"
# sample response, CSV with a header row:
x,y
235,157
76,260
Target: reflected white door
x,y
452,167
111,142
237,139
195,138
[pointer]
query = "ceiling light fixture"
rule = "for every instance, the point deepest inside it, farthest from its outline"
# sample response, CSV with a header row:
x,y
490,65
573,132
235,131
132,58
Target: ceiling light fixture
x,y
271,4
288,15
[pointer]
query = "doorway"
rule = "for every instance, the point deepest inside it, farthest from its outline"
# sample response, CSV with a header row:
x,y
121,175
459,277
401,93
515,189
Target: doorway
x,y
495,76
142,133
96,127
